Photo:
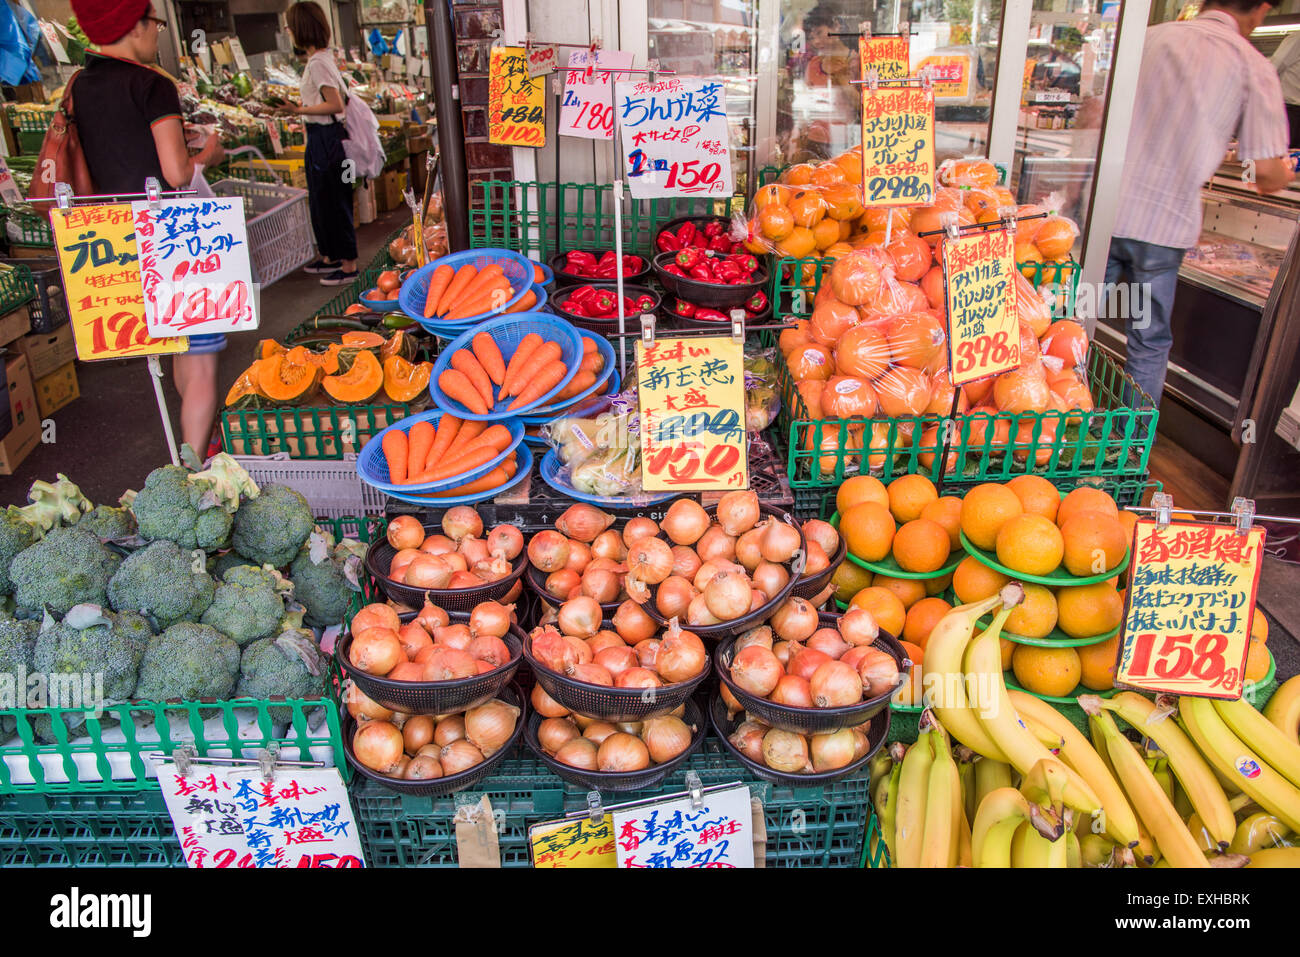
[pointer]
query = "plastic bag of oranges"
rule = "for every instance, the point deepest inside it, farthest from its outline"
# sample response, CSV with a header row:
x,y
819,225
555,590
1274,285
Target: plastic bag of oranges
x,y
975,172
801,221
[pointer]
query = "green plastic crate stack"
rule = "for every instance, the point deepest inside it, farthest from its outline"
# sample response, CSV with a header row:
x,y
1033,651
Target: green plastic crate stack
x,y
87,830
16,288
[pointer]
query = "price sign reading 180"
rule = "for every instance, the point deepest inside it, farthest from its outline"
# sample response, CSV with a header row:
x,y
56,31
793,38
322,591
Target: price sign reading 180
x,y
897,146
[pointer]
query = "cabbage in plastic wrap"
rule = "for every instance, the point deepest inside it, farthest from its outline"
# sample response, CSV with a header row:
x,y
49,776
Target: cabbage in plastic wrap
x,y
609,472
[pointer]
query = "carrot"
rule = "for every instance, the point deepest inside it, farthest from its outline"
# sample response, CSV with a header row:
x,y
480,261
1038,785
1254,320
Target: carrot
x,y
456,385
470,460
469,431
522,351
581,382
457,285
546,379
543,355
463,359
485,276
526,302
588,346
539,277
495,436
592,363
438,284
489,356
418,442
494,479
448,426
394,446
493,298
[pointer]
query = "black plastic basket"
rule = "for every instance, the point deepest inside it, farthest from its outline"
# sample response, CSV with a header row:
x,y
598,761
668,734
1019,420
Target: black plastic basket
x,y
631,321
535,579
612,704
563,279
615,781
814,720
455,782
723,726
379,557
811,585
745,622
675,224
672,320
715,295
49,307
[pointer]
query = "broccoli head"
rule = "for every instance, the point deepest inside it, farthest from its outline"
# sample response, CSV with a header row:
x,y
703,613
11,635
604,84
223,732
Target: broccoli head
x,y
187,662
271,528
69,566
17,646
90,640
109,523
248,604
160,580
16,533
289,665
173,507
220,564
325,577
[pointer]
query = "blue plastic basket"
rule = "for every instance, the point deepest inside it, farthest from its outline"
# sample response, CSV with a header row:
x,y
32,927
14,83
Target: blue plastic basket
x,y
373,467
517,269
548,275
450,330
542,416
508,332
525,465
550,470
381,305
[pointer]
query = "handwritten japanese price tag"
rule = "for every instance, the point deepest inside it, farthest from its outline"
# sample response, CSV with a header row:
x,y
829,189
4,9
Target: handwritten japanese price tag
x,y
692,404
890,57
194,267
1191,599
983,328
101,277
897,146
542,58
676,834
232,817
573,843
516,101
587,109
675,139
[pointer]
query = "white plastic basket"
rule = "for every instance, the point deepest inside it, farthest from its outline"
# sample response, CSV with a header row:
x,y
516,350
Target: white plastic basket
x,y
332,487
278,220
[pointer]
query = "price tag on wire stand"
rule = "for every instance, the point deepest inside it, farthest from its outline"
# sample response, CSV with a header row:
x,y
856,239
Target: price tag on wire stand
x,y
674,136
1190,603
516,101
715,831
586,109
542,58
692,403
578,842
889,56
983,328
897,146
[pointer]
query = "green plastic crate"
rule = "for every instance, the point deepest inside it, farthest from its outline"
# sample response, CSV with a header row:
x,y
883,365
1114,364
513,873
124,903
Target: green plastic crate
x,y
16,288
33,229
875,852
87,830
307,432
1064,276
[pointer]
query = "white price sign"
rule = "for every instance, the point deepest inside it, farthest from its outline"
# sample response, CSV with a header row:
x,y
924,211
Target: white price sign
x,y
587,109
237,51
9,191
719,832
674,137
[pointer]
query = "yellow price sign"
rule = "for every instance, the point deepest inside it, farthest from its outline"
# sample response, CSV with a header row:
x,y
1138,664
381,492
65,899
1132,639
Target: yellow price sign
x,y
983,327
890,57
101,279
692,403
579,842
1191,599
516,100
897,146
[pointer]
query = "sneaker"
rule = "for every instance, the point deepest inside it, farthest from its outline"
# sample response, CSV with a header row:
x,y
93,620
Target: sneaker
x,y
339,278
321,267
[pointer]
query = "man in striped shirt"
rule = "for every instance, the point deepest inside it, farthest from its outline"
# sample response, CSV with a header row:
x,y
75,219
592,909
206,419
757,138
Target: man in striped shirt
x,y
1201,84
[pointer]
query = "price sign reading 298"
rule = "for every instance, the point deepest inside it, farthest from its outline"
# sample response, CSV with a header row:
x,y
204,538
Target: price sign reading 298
x,y
897,146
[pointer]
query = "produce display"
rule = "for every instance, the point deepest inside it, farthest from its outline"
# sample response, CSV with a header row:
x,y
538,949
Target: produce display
x,y
590,744
705,265
584,556
458,557
626,656
602,266
601,302
792,753
467,292
480,378
755,306
422,747
426,452
710,233
429,647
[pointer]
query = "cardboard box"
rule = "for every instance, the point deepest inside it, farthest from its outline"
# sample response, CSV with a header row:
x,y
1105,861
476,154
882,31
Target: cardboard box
x,y
46,352
19,251
26,430
57,389
388,190
15,324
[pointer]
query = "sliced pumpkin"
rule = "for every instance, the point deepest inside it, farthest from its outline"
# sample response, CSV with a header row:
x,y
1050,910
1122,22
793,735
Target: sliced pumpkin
x,y
269,347
245,392
363,340
404,381
359,383
284,381
400,343
327,360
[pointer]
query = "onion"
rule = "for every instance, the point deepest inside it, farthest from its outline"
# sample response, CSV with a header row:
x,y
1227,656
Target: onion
x,y
545,705
879,673
795,620
505,541
815,560
784,650
830,752
858,626
823,533
453,636
805,661
756,671
417,732
757,600
362,707
601,585
681,656
779,542
579,557
748,552
591,673
583,522
673,597
437,545
548,551
413,637
716,544
728,595
455,561
785,751
489,649
632,624
636,590
828,641
738,512
578,753
485,666
639,528
854,655
400,770
562,583
448,664
449,729
748,739
475,550
376,651
617,660
552,651
733,706
638,678
609,544
793,692
835,685
516,590
423,767
580,617
459,756
710,570
622,753
685,562
650,560
598,731
697,613
685,521
489,726
553,733
665,738
770,578
489,618
861,743
494,569
461,521
602,640
378,745
581,648
431,616
377,615
762,635
428,571
406,671
405,531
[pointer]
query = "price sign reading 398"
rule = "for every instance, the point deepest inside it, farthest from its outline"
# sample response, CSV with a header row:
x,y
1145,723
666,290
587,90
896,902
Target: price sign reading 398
x,y
983,328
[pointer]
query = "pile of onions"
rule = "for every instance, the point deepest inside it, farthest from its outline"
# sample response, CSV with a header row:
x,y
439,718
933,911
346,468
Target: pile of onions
x,y
630,656
430,648
583,556
460,557
797,662
710,572
595,745
821,541
792,753
420,747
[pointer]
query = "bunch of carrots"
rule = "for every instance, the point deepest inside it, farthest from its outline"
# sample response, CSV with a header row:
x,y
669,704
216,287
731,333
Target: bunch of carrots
x,y
479,377
458,294
426,453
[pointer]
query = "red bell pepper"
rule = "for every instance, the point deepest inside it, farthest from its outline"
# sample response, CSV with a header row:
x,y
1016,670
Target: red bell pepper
x,y
667,242
686,234
728,270
720,244
645,303
631,265
605,303
710,315
582,294
700,241
675,270
757,302
684,308
746,261
702,273
688,258
579,257
606,270
574,307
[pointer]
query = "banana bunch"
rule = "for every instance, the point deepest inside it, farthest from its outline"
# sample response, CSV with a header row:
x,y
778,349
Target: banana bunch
x,y
1283,709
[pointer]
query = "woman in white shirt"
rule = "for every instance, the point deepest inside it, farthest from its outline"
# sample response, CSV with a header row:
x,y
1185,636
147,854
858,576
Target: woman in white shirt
x,y
329,184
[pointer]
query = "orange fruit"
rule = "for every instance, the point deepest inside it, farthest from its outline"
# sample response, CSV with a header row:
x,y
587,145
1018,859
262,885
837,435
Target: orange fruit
x,y
1098,664
859,489
1083,611
1035,617
1023,390
985,509
798,175
869,530
1055,237
1086,499
922,546
908,494
807,207
798,244
974,581
775,222
773,194
886,607
903,392
914,339
1094,543
1037,495
910,694
1008,648
1258,661
937,586
1067,341
827,174
909,590
1127,520
1030,544
921,619
1047,671
1259,627
849,579
1027,257
947,512
843,203
826,233
850,161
